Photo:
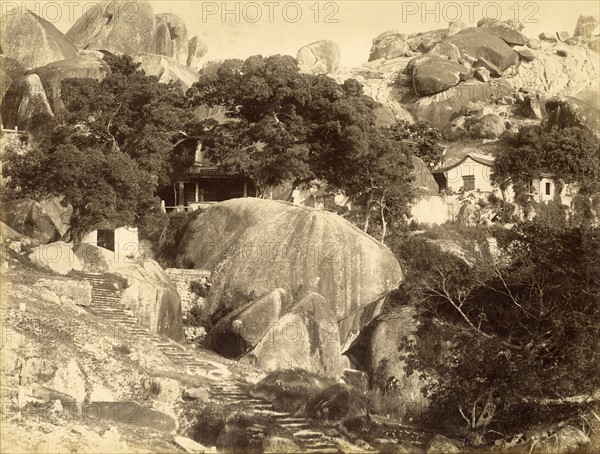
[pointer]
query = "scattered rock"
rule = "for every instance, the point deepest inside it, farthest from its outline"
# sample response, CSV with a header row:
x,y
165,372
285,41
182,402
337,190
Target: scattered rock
x,y
57,257
534,44
105,27
70,380
534,107
594,44
443,445
273,444
585,26
69,291
320,57
483,74
423,42
563,35
509,31
549,37
580,110
196,394
389,45
562,52
455,27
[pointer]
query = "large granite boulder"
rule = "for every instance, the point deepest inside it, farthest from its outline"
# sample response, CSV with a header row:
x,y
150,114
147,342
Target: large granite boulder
x,y
12,68
52,75
581,110
425,41
377,352
153,298
167,69
162,43
24,100
196,50
31,40
57,257
178,35
254,246
441,108
320,57
31,219
477,43
509,31
389,45
118,27
432,74
585,26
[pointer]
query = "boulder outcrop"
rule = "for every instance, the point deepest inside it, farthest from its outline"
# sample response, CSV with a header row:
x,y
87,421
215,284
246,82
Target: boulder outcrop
x,y
120,28
153,298
509,31
33,220
167,69
432,74
24,100
32,40
585,26
581,110
389,45
178,35
57,257
320,57
196,50
254,246
478,43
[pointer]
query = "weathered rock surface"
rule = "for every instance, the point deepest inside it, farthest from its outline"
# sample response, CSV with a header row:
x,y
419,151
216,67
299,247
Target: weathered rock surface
x,y
336,403
549,74
445,50
581,110
31,219
121,28
57,257
585,26
389,45
443,445
53,74
442,108
320,57
196,50
33,41
253,246
178,35
95,259
70,380
425,41
162,43
509,31
376,352
153,298
24,100
478,43
455,27
69,291
432,74
167,69
277,445
491,126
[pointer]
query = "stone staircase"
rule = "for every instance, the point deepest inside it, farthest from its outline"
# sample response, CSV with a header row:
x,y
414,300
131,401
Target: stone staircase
x,y
108,304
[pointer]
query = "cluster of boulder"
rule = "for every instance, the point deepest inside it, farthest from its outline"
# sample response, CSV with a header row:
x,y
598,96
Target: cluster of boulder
x,y
36,56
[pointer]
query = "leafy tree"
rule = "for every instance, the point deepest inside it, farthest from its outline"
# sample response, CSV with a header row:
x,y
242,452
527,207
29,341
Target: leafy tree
x,y
102,184
135,113
421,140
511,335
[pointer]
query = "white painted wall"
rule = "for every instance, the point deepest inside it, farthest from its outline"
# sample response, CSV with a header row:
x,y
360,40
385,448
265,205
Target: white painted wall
x,y
431,209
481,172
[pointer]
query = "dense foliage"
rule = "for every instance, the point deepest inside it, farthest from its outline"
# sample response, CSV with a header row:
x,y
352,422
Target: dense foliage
x,y
506,334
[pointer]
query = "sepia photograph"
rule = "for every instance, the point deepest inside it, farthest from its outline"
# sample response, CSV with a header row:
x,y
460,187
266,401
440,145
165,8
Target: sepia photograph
x,y
300,227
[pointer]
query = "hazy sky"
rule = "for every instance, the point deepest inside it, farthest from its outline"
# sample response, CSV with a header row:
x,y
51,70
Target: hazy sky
x,y
239,29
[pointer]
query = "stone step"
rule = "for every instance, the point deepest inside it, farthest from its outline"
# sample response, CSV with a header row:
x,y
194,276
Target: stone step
x,y
291,420
295,425
323,450
270,413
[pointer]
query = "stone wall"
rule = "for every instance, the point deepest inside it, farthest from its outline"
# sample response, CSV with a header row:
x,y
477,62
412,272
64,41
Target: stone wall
x,y
182,279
